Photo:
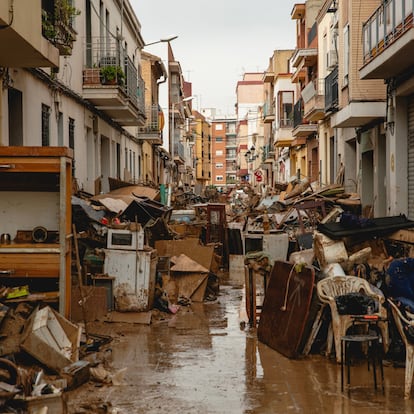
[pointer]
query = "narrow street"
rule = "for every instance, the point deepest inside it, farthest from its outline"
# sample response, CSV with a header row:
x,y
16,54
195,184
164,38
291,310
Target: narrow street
x,y
202,360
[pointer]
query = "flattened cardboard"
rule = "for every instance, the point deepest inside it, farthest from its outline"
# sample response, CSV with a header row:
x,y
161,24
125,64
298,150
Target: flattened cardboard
x,y
195,251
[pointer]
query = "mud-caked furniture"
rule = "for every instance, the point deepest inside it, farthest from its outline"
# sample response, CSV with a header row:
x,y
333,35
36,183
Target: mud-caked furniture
x,y
331,287
401,321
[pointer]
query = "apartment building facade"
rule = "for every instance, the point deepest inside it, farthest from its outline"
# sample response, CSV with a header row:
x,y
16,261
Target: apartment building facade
x,y
277,118
224,151
92,97
218,154
150,135
359,118
249,101
305,145
387,50
201,138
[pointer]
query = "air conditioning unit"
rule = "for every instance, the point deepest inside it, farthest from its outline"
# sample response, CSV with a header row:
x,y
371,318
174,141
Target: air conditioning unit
x,y
332,59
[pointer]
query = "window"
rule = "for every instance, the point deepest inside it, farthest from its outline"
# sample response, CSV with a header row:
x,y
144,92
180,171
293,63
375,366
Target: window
x,y
60,129
219,127
219,178
219,152
285,99
219,165
231,153
219,139
15,99
346,55
45,125
71,133
118,160
133,165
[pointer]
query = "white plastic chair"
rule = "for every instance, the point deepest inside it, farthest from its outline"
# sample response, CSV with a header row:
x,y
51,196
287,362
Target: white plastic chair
x,y
399,318
333,286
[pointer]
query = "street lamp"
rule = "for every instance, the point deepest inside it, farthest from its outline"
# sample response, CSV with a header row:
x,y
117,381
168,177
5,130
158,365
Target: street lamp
x,y
163,40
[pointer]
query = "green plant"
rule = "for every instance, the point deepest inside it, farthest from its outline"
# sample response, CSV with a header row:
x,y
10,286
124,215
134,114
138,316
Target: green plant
x,y
48,28
112,74
57,24
65,12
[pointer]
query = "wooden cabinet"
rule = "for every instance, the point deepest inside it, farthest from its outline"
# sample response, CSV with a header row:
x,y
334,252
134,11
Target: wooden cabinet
x,y
35,197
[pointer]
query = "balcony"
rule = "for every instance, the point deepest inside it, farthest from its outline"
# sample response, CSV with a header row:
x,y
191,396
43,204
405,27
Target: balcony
x,y
268,112
331,91
231,142
57,25
388,40
152,129
314,100
268,155
268,77
22,43
301,126
179,153
283,133
305,57
112,84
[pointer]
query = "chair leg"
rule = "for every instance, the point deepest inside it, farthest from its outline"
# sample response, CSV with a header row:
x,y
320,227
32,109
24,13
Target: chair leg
x,y
385,335
409,370
339,330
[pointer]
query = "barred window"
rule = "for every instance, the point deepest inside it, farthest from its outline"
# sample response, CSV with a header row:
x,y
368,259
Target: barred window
x,y
71,133
45,125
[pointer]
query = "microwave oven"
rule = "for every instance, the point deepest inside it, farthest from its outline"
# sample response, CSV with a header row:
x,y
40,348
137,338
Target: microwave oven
x,y
125,239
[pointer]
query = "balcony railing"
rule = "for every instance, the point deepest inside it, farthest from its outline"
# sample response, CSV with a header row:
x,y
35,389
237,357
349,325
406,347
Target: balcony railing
x,y
179,150
268,153
313,88
298,113
286,123
57,25
331,91
389,21
152,123
313,32
103,55
268,109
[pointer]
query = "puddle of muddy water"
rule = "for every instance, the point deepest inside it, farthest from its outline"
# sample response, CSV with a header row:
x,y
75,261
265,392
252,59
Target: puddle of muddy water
x,y
201,361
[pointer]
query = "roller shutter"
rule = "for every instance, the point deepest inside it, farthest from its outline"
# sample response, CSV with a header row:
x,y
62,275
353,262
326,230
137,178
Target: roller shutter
x,y
410,172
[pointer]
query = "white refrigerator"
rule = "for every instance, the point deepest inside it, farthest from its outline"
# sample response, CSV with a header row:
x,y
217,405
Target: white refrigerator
x,y
135,271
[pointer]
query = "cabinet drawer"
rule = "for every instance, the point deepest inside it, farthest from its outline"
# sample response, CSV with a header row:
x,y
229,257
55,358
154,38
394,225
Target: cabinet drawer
x,y
30,264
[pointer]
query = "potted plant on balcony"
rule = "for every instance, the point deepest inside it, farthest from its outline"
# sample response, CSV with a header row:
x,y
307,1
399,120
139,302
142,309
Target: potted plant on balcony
x,y
112,75
57,25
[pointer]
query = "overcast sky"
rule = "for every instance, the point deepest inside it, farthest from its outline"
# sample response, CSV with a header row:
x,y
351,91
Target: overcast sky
x,y
218,40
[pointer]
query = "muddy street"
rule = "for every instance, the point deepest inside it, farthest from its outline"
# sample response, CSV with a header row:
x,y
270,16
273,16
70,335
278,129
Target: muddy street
x,y
202,360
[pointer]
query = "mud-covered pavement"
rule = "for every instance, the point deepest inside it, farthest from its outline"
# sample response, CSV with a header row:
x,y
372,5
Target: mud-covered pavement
x,y
202,360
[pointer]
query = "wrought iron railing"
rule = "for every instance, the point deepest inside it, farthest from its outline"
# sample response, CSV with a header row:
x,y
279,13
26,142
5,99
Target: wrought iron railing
x,y
108,55
152,123
58,24
313,32
179,150
331,91
298,113
268,109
